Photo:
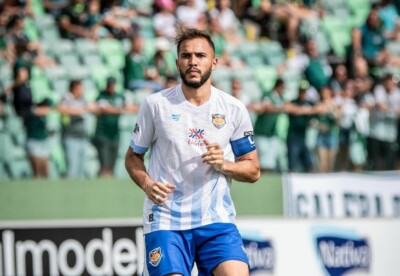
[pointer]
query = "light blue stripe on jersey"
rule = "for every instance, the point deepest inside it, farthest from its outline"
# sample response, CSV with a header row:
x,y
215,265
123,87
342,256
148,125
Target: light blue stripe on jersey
x,y
228,204
138,149
214,200
176,206
196,202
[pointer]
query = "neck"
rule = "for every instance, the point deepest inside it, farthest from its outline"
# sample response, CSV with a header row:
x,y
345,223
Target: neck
x,y
197,96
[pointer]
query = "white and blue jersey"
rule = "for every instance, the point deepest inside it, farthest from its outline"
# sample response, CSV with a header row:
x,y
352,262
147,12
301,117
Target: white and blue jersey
x,y
175,130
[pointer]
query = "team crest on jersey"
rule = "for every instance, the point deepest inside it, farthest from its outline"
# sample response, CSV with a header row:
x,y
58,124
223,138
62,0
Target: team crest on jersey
x,y
196,137
155,256
218,120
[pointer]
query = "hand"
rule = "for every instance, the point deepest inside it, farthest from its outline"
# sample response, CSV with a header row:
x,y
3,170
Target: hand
x,y
214,155
158,191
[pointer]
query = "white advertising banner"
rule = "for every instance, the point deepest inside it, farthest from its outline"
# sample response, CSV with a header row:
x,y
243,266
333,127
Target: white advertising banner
x,y
273,246
341,195
322,247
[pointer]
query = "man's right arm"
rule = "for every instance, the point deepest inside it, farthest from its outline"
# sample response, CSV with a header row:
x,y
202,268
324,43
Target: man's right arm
x,y
156,191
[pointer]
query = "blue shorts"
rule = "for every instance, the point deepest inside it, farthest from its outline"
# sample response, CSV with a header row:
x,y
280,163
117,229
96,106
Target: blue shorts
x,y
170,251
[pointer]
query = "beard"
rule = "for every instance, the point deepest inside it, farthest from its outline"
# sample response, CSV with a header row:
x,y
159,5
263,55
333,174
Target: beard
x,y
192,83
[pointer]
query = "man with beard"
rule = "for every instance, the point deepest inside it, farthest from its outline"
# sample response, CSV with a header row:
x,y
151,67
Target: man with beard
x,y
201,138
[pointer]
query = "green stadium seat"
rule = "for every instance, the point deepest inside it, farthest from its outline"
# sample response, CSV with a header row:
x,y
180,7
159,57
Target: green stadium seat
x,y
63,47
272,52
15,126
359,9
92,60
37,7
224,85
50,35
86,46
266,76
55,73
394,47
90,124
60,86
6,145
6,74
20,168
40,89
78,72
99,75
140,95
221,73
252,89
69,60
53,121
339,41
30,29
127,122
91,91
45,21
243,73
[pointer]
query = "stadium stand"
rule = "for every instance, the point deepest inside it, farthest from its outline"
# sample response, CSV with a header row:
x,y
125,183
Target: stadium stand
x,y
256,58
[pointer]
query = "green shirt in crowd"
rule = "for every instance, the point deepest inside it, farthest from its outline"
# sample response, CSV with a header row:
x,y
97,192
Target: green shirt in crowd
x,y
266,124
298,124
107,124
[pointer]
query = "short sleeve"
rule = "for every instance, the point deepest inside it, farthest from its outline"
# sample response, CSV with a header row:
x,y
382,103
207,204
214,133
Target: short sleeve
x,y
242,140
143,132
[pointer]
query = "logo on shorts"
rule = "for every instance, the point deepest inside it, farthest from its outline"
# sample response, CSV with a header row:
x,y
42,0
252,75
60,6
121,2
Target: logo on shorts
x,y
218,120
155,256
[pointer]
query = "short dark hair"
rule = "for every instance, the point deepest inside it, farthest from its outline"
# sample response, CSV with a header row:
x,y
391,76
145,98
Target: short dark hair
x,y
74,83
279,82
184,33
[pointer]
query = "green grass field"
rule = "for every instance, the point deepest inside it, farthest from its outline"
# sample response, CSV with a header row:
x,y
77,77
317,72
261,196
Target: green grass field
x,y
111,198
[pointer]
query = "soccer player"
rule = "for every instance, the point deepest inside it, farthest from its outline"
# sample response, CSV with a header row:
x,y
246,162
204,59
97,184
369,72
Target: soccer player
x,y
201,138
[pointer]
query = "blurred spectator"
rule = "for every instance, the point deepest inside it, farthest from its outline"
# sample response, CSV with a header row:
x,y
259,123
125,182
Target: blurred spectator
x,y
139,73
17,37
383,129
73,107
226,19
110,105
317,70
118,19
94,19
72,20
161,63
191,15
171,81
238,93
369,42
55,7
300,114
339,79
219,41
358,150
12,7
391,20
164,20
269,145
328,131
347,111
36,144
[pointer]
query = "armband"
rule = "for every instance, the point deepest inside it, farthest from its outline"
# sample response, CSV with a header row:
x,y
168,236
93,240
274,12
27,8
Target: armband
x,y
243,145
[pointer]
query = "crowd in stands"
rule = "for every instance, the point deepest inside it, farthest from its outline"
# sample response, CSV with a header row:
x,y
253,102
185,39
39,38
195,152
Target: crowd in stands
x,y
319,77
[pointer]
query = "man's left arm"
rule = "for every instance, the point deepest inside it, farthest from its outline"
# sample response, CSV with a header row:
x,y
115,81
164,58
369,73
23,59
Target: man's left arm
x,y
246,168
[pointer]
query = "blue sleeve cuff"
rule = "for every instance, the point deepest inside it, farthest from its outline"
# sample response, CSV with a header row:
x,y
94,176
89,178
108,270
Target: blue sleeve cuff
x,y
138,149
